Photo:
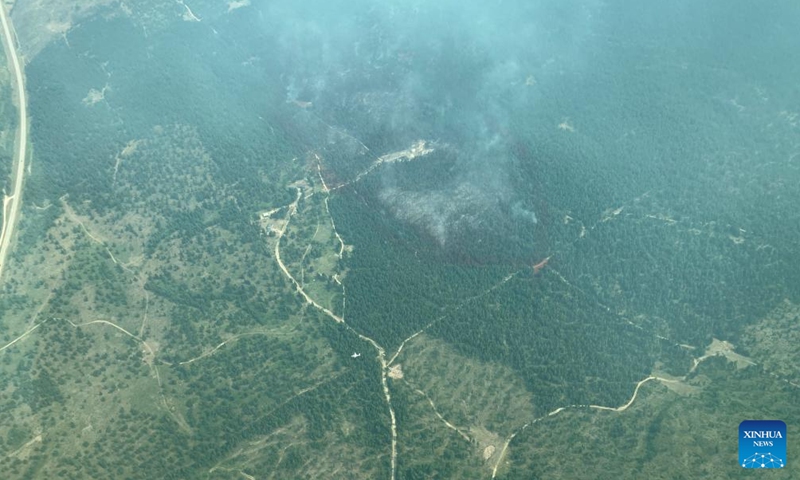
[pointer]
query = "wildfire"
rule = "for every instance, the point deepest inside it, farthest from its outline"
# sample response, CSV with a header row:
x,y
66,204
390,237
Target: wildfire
x,y
540,265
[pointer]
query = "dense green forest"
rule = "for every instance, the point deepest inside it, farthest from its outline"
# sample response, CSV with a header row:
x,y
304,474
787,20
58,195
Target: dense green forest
x,y
402,241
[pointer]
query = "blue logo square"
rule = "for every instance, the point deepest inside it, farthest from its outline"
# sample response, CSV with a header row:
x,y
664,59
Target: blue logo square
x,y
762,444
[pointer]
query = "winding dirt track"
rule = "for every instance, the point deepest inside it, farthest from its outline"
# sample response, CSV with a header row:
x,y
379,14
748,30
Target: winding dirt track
x,y
11,214
292,209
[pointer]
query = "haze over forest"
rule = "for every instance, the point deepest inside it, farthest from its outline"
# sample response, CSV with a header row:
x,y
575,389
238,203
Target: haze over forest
x,y
400,239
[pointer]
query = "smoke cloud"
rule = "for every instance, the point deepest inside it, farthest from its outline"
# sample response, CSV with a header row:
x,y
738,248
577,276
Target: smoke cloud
x,y
456,73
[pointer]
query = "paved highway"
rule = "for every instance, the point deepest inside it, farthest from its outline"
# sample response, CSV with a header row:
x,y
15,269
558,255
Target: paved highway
x,y
11,204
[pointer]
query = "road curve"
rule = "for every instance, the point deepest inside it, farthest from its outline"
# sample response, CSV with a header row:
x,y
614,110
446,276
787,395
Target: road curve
x,y
11,214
